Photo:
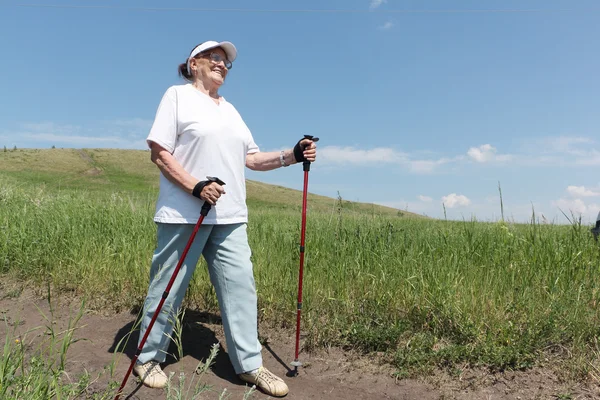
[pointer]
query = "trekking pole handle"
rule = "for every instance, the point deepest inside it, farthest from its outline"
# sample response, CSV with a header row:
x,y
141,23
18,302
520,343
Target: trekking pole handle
x,y
206,206
306,163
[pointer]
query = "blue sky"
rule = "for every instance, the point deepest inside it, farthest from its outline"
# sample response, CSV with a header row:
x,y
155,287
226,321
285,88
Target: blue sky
x,y
415,109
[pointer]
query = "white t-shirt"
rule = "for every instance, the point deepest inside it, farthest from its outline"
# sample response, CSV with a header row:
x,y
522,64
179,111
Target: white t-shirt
x,y
207,140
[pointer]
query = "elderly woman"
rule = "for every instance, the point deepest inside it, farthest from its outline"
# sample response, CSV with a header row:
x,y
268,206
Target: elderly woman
x,y
197,133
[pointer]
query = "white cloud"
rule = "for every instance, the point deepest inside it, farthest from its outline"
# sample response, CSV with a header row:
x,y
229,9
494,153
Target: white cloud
x,y
376,3
487,153
482,153
121,133
589,157
481,210
559,151
484,210
562,144
132,123
387,26
74,139
582,191
45,127
425,199
565,151
577,206
455,200
418,162
350,155
427,166
380,155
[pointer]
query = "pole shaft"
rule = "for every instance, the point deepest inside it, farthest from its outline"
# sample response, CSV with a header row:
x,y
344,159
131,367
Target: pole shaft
x,y
301,272
160,305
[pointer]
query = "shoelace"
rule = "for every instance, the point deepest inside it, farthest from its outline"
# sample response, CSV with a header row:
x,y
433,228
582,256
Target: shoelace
x,y
266,375
152,370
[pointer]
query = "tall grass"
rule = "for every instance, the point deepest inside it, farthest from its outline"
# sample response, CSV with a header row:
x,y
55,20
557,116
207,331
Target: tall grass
x,y
427,293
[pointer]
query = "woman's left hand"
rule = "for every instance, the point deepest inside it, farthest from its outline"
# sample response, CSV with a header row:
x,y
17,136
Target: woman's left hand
x,y
309,149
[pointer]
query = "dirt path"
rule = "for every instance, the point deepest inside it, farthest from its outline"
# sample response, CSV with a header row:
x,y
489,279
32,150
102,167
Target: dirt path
x,y
95,170
327,375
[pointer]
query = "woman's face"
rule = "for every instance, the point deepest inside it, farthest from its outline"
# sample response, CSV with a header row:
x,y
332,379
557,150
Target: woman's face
x,y
208,67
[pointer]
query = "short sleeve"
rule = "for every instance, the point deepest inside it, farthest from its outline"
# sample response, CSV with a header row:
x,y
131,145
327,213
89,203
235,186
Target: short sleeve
x,y
164,128
252,147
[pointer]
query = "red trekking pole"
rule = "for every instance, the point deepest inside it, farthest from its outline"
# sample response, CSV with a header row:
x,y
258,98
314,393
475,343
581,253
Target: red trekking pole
x,y
203,212
306,168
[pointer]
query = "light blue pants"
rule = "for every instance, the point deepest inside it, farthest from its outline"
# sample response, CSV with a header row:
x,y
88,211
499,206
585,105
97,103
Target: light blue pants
x,y
226,250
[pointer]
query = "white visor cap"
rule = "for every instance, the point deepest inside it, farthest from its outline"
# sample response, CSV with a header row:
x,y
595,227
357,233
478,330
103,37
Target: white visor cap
x,y
227,47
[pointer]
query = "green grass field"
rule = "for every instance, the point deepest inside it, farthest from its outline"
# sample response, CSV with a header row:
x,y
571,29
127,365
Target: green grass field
x,y
426,293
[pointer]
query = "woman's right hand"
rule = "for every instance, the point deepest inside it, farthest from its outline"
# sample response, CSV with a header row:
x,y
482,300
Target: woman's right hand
x,y
211,193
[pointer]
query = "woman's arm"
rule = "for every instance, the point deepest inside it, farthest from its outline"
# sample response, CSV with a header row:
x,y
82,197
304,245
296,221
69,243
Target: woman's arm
x,y
267,161
175,173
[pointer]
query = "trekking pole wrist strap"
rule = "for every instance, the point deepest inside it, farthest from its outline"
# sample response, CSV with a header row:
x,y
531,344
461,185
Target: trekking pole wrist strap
x,y
198,188
200,185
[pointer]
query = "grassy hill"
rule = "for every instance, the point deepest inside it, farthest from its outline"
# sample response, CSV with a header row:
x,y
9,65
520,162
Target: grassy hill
x,y
132,171
425,294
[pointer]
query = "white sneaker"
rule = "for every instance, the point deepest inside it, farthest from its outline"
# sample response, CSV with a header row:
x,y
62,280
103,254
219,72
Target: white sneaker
x,y
268,382
151,374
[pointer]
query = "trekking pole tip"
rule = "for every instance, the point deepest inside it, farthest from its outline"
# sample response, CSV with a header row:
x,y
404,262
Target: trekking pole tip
x,y
294,372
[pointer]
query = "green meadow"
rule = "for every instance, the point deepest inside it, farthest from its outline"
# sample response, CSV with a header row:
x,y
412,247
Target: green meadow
x,y
422,293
